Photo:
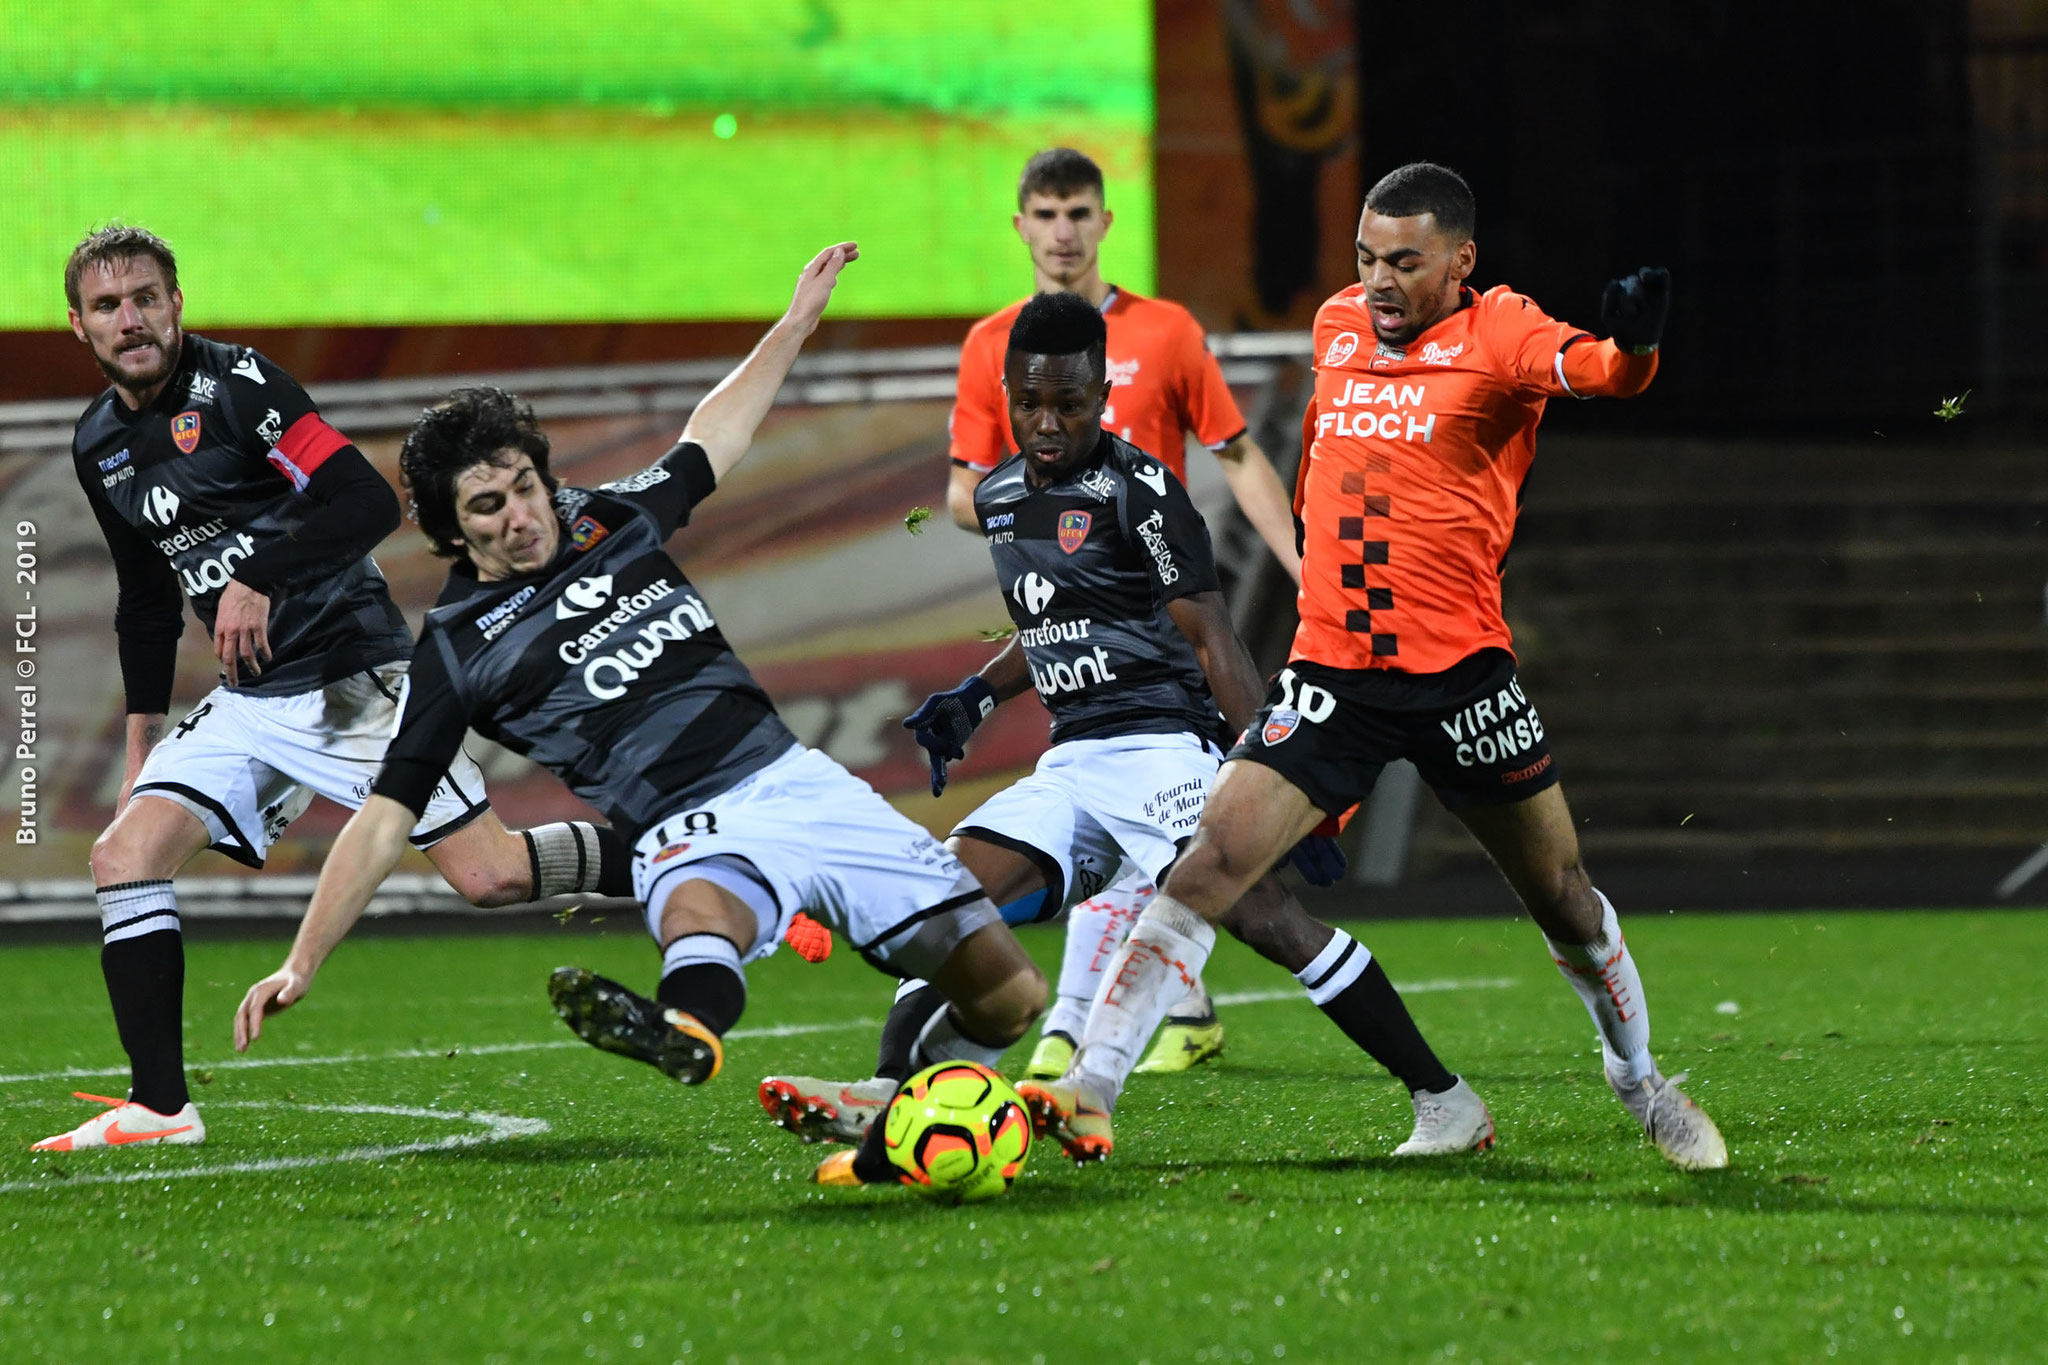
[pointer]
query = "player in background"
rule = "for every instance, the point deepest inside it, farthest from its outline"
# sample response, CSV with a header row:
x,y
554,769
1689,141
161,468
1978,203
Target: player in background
x,y
567,634
1423,427
1122,631
210,470
1167,386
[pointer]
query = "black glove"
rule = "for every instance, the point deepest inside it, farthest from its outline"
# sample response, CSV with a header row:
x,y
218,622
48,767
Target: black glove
x,y
1633,308
1318,859
945,720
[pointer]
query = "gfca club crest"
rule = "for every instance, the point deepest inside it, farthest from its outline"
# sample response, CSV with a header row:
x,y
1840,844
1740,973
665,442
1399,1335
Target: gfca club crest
x,y
185,431
1073,530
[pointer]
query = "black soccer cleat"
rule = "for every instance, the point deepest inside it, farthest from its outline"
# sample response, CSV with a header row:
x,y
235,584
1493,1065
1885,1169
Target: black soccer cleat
x,y
612,1018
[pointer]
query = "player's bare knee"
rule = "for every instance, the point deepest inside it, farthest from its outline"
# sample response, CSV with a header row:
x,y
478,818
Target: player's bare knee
x,y
490,887
1208,878
118,856
1006,1012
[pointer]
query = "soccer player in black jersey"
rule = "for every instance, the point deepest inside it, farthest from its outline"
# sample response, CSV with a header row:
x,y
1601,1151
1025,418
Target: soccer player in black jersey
x,y
567,634
212,475
1121,629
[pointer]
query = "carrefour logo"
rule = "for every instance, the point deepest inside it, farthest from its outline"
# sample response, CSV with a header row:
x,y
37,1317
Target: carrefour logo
x,y
160,506
583,596
1032,593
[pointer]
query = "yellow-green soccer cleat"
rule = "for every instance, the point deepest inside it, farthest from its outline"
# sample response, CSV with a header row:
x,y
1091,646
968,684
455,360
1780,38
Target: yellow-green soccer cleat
x,y
1049,1059
1184,1043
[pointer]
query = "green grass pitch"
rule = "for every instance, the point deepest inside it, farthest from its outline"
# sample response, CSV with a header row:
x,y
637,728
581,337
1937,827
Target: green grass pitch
x,y
1880,1088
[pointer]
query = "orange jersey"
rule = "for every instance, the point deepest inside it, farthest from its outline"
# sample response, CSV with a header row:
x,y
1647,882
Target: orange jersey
x,y
1413,469
1167,385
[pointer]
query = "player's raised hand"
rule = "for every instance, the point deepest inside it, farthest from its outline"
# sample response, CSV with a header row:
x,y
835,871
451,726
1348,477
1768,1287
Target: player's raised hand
x,y
941,726
1633,308
241,630
814,286
280,990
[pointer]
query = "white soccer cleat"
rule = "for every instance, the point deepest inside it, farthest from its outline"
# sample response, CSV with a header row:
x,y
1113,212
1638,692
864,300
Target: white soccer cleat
x,y
124,1122
826,1111
1680,1128
1455,1121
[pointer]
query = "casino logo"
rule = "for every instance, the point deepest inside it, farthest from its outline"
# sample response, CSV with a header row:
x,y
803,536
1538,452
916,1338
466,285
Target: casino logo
x,y
586,532
1280,724
1073,530
185,431
1341,347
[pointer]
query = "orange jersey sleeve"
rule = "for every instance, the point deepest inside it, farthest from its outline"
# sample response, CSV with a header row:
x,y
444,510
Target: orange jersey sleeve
x,y
980,425
1601,369
1207,406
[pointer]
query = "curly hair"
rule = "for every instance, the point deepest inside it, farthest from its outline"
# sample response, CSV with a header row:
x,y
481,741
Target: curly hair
x,y
116,242
1424,187
1061,324
471,426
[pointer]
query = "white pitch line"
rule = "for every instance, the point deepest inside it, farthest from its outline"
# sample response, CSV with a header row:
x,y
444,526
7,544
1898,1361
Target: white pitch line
x,y
497,1128
408,1054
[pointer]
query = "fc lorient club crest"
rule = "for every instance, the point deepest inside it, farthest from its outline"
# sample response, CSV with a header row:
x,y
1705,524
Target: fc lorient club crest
x,y
1073,530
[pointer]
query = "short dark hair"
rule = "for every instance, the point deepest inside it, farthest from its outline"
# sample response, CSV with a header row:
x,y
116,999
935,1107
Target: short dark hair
x,y
1060,324
471,426
1424,187
1060,172
104,246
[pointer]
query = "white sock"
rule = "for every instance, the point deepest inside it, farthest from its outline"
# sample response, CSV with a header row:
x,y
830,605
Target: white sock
x,y
943,1041
1096,928
1342,961
1604,974
1162,959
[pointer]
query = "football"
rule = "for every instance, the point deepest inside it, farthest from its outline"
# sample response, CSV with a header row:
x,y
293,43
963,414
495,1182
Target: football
x,y
958,1131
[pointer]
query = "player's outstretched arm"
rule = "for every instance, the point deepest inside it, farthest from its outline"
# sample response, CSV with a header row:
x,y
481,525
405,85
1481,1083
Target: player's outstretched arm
x,y
1262,499
725,422
1233,678
363,855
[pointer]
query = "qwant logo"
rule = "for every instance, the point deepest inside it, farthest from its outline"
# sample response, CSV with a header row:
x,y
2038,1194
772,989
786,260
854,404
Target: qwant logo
x,y
1342,346
583,596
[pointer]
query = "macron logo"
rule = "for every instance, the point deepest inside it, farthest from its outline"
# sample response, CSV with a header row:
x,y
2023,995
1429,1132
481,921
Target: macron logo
x,y
246,367
1154,478
583,596
1032,593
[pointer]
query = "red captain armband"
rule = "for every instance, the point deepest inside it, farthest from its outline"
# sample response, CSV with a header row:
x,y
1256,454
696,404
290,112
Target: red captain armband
x,y
1333,825
304,448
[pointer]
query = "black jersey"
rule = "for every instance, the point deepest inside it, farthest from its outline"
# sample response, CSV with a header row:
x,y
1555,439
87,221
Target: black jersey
x,y
605,667
1087,566
210,475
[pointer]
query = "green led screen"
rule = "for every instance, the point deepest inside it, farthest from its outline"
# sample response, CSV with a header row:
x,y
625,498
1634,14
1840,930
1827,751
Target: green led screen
x,y
420,161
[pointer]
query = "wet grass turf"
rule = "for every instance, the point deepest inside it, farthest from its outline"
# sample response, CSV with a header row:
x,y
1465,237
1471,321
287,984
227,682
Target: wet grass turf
x,y
1880,1089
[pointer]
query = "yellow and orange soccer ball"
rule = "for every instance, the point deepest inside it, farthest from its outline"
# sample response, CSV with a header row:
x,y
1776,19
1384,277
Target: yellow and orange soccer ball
x,y
958,1131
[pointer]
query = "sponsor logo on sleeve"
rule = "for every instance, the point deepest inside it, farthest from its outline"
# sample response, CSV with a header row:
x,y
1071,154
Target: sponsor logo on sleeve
x,y
1154,478
1341,348
585,532
271,428
1073,530
637,483
1152,530
185,431
248,369
1032,592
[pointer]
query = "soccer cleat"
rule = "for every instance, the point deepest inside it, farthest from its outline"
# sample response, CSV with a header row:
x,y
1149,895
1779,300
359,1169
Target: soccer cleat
x,y
826,1111
1455,1121
606,1015
1680,1128
837,1170
124,1122
1184,1043
811,940
1071,1115
1049,1059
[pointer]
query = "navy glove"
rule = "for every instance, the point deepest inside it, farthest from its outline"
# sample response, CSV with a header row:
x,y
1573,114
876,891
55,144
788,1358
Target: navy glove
x,y
1319,860
945,720
1633,308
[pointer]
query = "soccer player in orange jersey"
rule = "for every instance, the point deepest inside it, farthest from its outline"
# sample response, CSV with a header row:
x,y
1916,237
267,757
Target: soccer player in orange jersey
x,y
1167,386
1428,394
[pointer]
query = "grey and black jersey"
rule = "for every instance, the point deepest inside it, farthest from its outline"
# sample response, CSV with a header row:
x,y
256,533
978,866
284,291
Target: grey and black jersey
x,y
208,478
605,667
1086,567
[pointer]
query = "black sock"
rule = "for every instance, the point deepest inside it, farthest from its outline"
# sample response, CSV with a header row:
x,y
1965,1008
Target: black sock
x,y
701,977
871,1164
146,982
1372,1015
907,1018
614,863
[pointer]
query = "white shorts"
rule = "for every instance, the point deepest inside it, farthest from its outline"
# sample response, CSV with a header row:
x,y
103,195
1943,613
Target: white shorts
x,y
1095,806
248,766
825,843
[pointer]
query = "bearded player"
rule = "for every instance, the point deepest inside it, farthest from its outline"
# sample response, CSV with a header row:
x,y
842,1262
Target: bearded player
x,y
211,472
1427,399
1122,632
1167,386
